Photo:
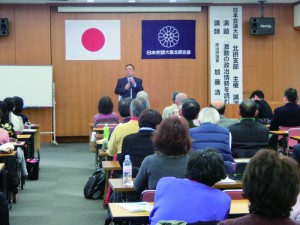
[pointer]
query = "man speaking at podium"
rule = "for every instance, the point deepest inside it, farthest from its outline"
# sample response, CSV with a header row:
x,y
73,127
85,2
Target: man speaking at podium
x,y
129,86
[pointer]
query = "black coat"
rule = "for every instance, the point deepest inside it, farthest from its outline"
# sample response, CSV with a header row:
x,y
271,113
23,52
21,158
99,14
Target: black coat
x,y
287,116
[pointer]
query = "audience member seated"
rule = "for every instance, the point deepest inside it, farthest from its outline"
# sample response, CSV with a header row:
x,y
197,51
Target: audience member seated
x,y
248,136
22,170
4,137
265,112
124,109
106,114
143,94
4,121
271,183
139,145
15,120
193,199
220,106
19,103
289,114
259,118
10,166
179,99
137,106
190,111
171,107
172,145
210,135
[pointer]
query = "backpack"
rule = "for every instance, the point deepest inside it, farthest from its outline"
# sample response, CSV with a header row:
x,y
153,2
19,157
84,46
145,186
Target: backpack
x,y
94,187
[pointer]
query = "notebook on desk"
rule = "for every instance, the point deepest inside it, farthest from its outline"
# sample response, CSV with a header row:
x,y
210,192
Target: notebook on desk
x,y
137,206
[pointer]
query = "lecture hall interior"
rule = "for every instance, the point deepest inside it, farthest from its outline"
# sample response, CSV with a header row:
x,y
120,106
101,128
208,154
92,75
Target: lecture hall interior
x,y
37,37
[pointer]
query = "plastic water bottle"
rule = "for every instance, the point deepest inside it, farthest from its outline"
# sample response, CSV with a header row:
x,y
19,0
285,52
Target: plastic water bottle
x,y
127,172
105,131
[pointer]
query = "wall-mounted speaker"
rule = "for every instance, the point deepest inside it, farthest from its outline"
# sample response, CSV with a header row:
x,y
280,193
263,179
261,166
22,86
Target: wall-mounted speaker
x,y
3,27
262,26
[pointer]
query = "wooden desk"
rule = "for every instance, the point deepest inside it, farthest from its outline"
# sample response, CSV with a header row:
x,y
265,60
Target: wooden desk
x,y
19,144
28,151
24,137
102,153
36,136
32,145
296,138
13,153
238,207
279,132
111,165
98,129
117,185
229,185
120,214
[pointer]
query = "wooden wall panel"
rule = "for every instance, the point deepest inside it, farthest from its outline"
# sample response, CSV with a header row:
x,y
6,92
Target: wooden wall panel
x,y
94,79
104,73
32,24
33,35
28,43
257,55
286,49
191,76
7,44
72,81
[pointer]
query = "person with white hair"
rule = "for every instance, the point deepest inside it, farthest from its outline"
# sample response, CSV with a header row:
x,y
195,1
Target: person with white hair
x,y
210,135
143,94
179,100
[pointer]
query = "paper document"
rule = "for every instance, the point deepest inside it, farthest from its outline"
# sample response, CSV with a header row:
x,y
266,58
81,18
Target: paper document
x,y
227,180
137,206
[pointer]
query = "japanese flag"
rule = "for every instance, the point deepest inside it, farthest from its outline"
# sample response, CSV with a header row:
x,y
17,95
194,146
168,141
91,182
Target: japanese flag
x,y
92,39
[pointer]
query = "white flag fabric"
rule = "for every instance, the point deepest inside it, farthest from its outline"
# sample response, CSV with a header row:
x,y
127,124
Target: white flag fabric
x,y
92,39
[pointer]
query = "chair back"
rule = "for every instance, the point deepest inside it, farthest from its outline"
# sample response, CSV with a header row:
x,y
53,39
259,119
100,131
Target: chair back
x,y
293,132
110,125
234,194
148,195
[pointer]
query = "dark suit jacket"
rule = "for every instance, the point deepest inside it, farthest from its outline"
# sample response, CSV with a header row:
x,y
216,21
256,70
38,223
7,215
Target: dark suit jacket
x,y
120,88
248,137
138,146
287,116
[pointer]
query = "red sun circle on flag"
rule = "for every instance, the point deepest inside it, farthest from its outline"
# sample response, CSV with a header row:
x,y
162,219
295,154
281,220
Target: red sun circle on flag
x,y
93,39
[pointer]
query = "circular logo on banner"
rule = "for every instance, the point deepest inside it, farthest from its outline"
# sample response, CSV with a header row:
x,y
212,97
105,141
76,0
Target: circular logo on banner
x,y
93,39
168,36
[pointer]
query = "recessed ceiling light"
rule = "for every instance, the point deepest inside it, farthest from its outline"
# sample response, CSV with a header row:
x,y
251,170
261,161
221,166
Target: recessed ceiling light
x,y
131,0
172,0
89,1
